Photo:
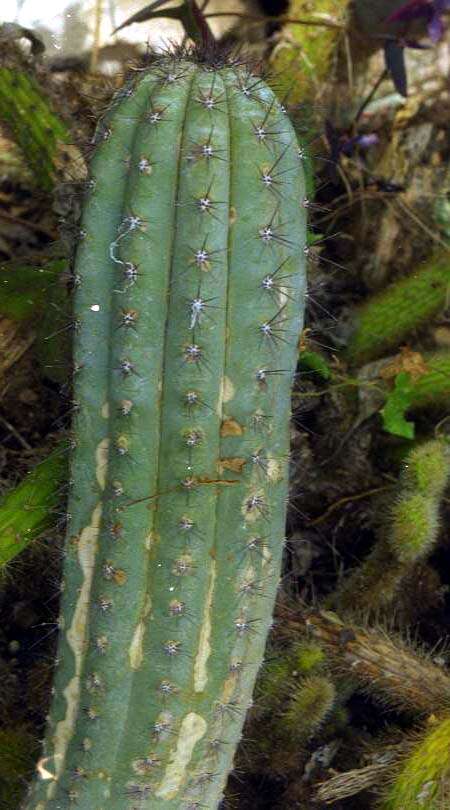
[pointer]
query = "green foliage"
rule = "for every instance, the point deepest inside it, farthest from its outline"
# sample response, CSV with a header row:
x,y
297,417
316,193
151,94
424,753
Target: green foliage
x,y
280,675
314,362
180,466
25,290
429,391
28,509
398,402
275,682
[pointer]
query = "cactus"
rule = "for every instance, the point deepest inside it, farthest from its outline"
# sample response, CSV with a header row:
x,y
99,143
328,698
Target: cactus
x,y
423,778
189,285
432,389
426,468
387,668
294,699
308,708
408,536
278,680
389,317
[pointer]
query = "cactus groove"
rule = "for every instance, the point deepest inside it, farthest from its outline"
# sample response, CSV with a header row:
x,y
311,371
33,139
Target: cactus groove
x,y
189,285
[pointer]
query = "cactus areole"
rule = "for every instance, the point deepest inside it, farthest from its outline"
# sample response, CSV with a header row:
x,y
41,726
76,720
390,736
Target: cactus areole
x,y
189,285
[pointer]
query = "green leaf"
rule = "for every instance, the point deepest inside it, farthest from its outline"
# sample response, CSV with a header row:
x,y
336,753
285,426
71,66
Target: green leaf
x,y
397,404
311,361
187,12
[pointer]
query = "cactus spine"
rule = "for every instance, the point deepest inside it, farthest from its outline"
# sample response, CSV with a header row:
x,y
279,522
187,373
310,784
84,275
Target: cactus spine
x,y
189,286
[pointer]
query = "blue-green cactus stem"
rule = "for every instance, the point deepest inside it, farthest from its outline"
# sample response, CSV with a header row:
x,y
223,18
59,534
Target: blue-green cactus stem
x,y
189,294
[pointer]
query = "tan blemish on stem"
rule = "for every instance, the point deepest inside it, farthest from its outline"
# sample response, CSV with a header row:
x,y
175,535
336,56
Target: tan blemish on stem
x,y
267,557
204,644
105,410
136,648
192,729
228,390
150,538
226,394
283,296
234,464
228,689
247,579
274,470
230,427
101,462
76,638
43,771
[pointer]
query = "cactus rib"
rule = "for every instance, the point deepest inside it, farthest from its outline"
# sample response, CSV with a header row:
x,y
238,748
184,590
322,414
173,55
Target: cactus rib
x,y
188,299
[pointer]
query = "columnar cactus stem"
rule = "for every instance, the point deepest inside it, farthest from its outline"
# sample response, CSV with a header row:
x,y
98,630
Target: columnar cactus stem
x,y
189,287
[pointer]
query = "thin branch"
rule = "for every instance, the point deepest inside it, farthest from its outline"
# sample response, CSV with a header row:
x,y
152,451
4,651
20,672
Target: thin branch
x,y
321,23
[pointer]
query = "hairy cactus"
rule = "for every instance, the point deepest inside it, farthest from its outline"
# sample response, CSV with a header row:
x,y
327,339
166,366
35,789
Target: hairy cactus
x,y
312,702
387,668
423,778
408,536
431,390
387,318
189,286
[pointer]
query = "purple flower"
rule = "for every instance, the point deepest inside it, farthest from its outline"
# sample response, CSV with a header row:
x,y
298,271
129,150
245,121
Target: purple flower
x,y
348,145
430,10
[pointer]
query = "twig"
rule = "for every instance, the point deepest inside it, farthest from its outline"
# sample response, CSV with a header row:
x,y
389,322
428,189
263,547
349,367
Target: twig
x,y
15,433
282,20
31,225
